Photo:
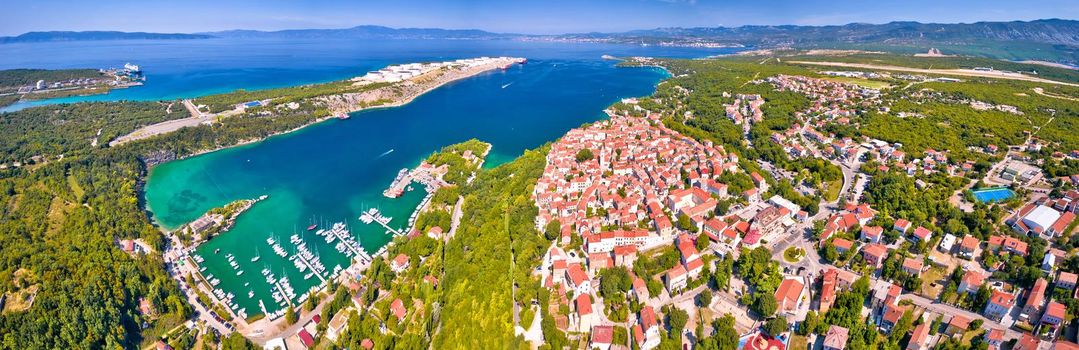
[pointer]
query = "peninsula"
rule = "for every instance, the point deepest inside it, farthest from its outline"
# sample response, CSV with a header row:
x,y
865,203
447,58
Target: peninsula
x,y
38,84
388,87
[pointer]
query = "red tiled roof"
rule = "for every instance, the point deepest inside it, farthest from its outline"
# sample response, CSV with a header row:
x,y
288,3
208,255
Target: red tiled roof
x,y
893,313
877,250
400,260
912,264
647,317
576,274
920,334
973,278
1002,299
398,309
1063,222
638,334
584,304
959,321
308,341
787,294
676,271
602,334
969,243
1056,310
840,243
921,232
1027,342
1037,293
1067,277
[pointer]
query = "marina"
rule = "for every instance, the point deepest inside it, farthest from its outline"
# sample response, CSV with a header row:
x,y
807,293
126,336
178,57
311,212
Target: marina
x,y
306,180
304,261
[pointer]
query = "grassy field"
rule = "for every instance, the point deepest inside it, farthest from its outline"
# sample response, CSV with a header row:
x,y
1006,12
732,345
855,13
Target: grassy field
x,y
831,190
935,274
866,83
798,343
793,254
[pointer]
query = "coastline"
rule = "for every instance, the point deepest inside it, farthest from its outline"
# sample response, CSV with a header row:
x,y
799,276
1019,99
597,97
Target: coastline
x,y
264,326
394,104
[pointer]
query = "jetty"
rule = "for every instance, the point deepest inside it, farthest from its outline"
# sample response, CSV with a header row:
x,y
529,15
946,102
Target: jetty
x,y
399,184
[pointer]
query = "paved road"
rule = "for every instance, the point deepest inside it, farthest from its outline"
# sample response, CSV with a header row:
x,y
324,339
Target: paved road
x,y
164,127
946,309
959,72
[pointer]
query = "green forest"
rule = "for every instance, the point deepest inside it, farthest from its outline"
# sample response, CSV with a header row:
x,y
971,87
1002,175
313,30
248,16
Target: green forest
x,y
10,79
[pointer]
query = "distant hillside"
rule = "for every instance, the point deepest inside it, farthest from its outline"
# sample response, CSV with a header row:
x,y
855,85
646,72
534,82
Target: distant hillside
x,y
1051,31
366,32
96,35
1054,40
1049,39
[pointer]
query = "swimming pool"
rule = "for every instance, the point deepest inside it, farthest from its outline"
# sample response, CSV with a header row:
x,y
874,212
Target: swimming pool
x,y
995,194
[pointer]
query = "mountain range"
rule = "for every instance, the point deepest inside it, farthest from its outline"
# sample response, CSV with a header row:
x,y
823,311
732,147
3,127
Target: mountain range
x,y
96,35
1047,39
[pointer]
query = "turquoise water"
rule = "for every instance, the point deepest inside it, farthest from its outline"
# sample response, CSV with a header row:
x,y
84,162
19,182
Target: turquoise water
x,y
996,194
188,68
332,171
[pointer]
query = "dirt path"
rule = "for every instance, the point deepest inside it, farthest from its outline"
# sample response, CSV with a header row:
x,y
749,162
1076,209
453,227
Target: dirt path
x,y
1042,92
958,72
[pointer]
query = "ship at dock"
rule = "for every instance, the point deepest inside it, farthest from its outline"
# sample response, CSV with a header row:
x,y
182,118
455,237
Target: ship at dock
x,y
399,184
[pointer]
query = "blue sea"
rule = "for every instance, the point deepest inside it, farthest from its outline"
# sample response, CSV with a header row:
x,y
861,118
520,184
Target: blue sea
x,y
332,171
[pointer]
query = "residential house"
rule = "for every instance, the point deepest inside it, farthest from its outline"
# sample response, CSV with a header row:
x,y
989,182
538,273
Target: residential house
x,y
957,325
872,234
901,225
649,326
1033,306
874,254
789,295
399,263
577,279
912,266
397,308
677,277
922,234
947,243
1000,303
835,338
892,313
994,338
602,337
841,245
968,247
919,339
1054,315
586,317
827,295
971,282
1066,280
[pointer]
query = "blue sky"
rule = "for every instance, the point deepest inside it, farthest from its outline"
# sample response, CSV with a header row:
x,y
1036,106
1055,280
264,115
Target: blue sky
x,y
538,16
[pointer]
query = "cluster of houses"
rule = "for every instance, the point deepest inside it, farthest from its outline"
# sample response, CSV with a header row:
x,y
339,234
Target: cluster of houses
x,y
622,200
829,99
745,107
634,179
1007,304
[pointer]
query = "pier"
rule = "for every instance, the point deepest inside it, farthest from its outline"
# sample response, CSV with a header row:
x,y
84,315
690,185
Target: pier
x,y
399,184
281,290
310,267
